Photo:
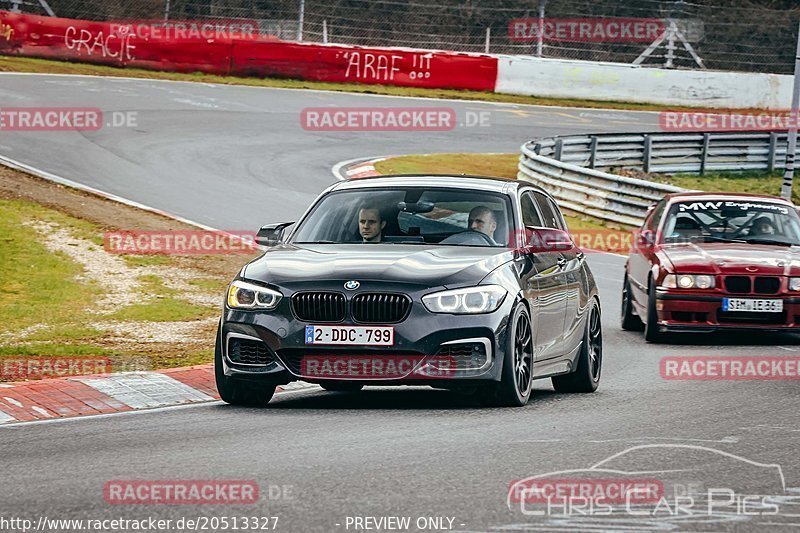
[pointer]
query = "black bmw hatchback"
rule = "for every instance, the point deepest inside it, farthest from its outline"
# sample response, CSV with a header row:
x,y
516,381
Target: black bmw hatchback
x,y
464,283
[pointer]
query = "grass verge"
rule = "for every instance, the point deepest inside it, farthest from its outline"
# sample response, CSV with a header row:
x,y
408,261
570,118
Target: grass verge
x,y
63,296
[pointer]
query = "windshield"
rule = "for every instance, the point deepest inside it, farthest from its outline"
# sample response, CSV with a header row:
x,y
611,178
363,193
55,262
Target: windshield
x,y
732,221
449,217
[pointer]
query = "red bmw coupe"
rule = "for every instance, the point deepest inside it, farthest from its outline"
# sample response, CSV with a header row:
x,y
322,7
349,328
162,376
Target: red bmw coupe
x,y
714,261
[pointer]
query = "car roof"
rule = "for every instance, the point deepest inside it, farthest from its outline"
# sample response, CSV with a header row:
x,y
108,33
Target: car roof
x,y
736,196
481,183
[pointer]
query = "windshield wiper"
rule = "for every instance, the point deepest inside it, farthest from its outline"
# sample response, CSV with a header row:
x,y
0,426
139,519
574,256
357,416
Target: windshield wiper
x,y
770,241
319,242
714,238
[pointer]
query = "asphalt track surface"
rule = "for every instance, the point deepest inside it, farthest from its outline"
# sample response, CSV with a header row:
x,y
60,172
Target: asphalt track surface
x,y
235,158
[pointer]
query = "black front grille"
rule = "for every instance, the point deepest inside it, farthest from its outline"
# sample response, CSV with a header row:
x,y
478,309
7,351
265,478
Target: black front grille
x,y
746,317
765,285
319,306
293,358
380,308
249,352
737,284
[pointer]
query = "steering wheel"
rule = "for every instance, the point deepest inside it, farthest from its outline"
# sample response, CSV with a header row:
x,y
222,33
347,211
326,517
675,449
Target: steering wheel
x,y
468,235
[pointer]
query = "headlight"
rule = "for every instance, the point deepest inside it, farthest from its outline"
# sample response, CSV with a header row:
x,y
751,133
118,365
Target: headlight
x,y
243,295
794,284
688,281
473,300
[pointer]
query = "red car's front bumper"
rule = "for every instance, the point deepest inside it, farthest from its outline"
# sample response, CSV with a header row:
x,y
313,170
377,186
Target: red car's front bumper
x,y
690,311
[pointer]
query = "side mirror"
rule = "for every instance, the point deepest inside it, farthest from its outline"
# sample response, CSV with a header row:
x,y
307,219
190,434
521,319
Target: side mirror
x,y
271,234
549,240
645,238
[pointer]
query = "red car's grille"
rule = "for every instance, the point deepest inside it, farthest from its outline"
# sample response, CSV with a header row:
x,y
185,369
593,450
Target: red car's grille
x,y
737,284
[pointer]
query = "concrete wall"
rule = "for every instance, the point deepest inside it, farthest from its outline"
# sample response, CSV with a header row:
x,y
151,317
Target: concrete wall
x,y
615,82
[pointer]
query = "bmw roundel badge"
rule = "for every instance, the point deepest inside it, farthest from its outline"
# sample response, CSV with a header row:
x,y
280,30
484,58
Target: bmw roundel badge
x,y
352,285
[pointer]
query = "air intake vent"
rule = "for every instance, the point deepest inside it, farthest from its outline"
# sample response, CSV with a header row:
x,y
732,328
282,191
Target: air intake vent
x,y
249,352
319,306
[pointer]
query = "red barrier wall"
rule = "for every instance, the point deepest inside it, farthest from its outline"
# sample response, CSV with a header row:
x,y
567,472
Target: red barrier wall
x,y
108,43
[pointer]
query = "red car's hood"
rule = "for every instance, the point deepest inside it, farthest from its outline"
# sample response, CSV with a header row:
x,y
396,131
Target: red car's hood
x,y
733,258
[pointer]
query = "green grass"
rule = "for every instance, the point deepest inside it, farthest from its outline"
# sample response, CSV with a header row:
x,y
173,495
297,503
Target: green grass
x,y
36,284
41,288
146,260
24,64
163,310
755,182
497,165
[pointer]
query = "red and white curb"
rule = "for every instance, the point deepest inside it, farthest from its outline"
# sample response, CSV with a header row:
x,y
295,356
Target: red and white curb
x,y
47,399
354,169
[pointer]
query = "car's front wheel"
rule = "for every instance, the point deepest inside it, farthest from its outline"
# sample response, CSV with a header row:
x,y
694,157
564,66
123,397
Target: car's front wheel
x,y
630,321
586,376
236,391
514,389
651,332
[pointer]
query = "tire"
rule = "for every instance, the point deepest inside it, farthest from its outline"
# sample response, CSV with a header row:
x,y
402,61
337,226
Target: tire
x,y
236,391
341,386
651,333
629,321
586,376
514,389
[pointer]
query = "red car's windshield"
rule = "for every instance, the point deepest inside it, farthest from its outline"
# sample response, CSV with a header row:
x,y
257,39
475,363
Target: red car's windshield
x,y
743,221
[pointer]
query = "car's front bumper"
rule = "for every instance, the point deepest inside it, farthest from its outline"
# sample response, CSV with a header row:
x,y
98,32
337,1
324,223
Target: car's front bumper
x,y
422,338
691,312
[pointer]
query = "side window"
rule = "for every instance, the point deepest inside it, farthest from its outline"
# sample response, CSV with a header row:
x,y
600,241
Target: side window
x,y
549,217
655,216
559,218
530,216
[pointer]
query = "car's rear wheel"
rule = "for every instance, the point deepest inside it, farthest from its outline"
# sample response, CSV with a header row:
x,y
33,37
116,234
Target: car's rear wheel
x,y
651,333
586,376
514,389
630,321
341,386
236,391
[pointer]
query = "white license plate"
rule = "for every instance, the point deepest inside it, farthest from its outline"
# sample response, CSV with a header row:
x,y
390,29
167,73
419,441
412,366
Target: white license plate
x,y
752,306
350,335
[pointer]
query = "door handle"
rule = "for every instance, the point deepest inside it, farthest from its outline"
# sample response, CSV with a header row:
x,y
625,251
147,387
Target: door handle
x,y
562,262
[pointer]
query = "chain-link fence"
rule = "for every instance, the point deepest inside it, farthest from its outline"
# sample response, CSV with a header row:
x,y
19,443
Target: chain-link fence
x,y
737,35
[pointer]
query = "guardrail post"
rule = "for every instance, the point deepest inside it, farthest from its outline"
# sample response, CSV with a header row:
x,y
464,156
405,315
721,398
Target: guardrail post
x,y
558,149
773,145
648,146
593,151
704,153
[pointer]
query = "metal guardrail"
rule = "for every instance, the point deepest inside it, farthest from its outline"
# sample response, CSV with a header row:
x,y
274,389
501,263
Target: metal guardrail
x,y
572,167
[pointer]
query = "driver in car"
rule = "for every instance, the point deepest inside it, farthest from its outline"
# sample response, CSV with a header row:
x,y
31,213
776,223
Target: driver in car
x,y
762,226
482,219
370,224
